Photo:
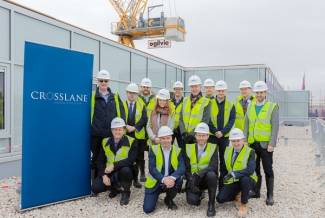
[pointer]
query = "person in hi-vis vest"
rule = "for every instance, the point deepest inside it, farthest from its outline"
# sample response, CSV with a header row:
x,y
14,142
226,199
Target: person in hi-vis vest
x,y
136,121
166,169
261,131
195,109
241,103
105,105
201,169
115,163
209,89
222,119
241,177
177,100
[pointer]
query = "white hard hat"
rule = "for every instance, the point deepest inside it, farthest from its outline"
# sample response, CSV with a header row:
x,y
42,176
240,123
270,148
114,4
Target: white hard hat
x,y
202,128
235,134
221,85
164,131
208,82
117,122
163,94
146,82
194,80
103,74
260,86
178,84
245,84
132,87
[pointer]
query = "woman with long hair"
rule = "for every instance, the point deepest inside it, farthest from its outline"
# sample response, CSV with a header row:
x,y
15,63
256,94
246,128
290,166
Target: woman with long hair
x,y
162,115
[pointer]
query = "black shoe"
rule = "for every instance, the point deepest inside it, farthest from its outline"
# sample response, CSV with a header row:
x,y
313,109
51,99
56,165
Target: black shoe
x,y
170,204
136,184
113,193
269,186
142,178
253,194
256,191
125,198
211,210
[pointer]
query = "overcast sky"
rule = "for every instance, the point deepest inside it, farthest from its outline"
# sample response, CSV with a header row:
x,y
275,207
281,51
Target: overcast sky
x,y
287,35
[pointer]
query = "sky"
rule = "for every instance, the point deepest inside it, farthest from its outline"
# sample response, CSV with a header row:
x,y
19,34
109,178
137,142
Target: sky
x,y
286,35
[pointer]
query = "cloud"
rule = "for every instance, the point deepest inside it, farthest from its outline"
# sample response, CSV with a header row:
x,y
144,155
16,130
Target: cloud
x,y
286,35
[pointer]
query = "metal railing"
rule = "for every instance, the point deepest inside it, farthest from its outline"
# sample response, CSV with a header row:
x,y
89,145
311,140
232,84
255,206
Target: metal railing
x,y
318,135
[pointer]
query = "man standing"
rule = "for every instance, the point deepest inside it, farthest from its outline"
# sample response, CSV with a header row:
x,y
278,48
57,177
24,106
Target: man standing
x,y
146,96
136,120
242,102
195,109
261,131
178,103
209,88
223,117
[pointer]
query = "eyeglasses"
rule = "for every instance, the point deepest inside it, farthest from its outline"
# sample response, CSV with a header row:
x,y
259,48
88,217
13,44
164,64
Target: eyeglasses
x,y
103,81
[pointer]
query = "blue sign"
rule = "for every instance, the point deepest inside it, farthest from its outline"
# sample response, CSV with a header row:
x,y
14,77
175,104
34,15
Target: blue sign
x,y
56,125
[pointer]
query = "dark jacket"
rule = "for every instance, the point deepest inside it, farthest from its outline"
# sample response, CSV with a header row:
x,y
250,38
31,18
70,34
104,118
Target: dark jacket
x,y
220,119
104,113
130,120
250,167
128,162
213,165
177,173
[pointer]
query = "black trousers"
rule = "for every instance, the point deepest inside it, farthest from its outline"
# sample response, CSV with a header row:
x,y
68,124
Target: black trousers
x,y
178,136
229,192
142,143
96,143
267,160
208,181
222,143
119,179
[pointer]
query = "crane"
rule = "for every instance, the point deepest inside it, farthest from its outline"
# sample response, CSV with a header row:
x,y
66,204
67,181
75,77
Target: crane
x,y
132,25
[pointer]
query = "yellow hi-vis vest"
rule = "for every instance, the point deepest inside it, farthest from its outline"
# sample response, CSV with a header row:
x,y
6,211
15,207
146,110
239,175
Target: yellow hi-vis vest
x,y
260,127
198,165
240,115
177,113
193,116
150,105
117,104
157,150
240,162
215,110
121,154
139,106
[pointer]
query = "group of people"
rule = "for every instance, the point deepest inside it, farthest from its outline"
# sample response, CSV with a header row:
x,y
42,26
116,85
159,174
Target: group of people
x,y
203,140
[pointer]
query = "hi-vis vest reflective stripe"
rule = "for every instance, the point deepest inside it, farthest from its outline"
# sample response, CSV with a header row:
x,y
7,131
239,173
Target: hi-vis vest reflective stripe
x,y
240,162
260,127
240,115
117,104
204,161
193,116
177,113
138,114
121,154
215,110
157,150
150,105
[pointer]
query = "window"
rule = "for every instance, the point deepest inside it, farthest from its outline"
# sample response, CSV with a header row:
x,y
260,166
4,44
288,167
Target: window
x,y
2,98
